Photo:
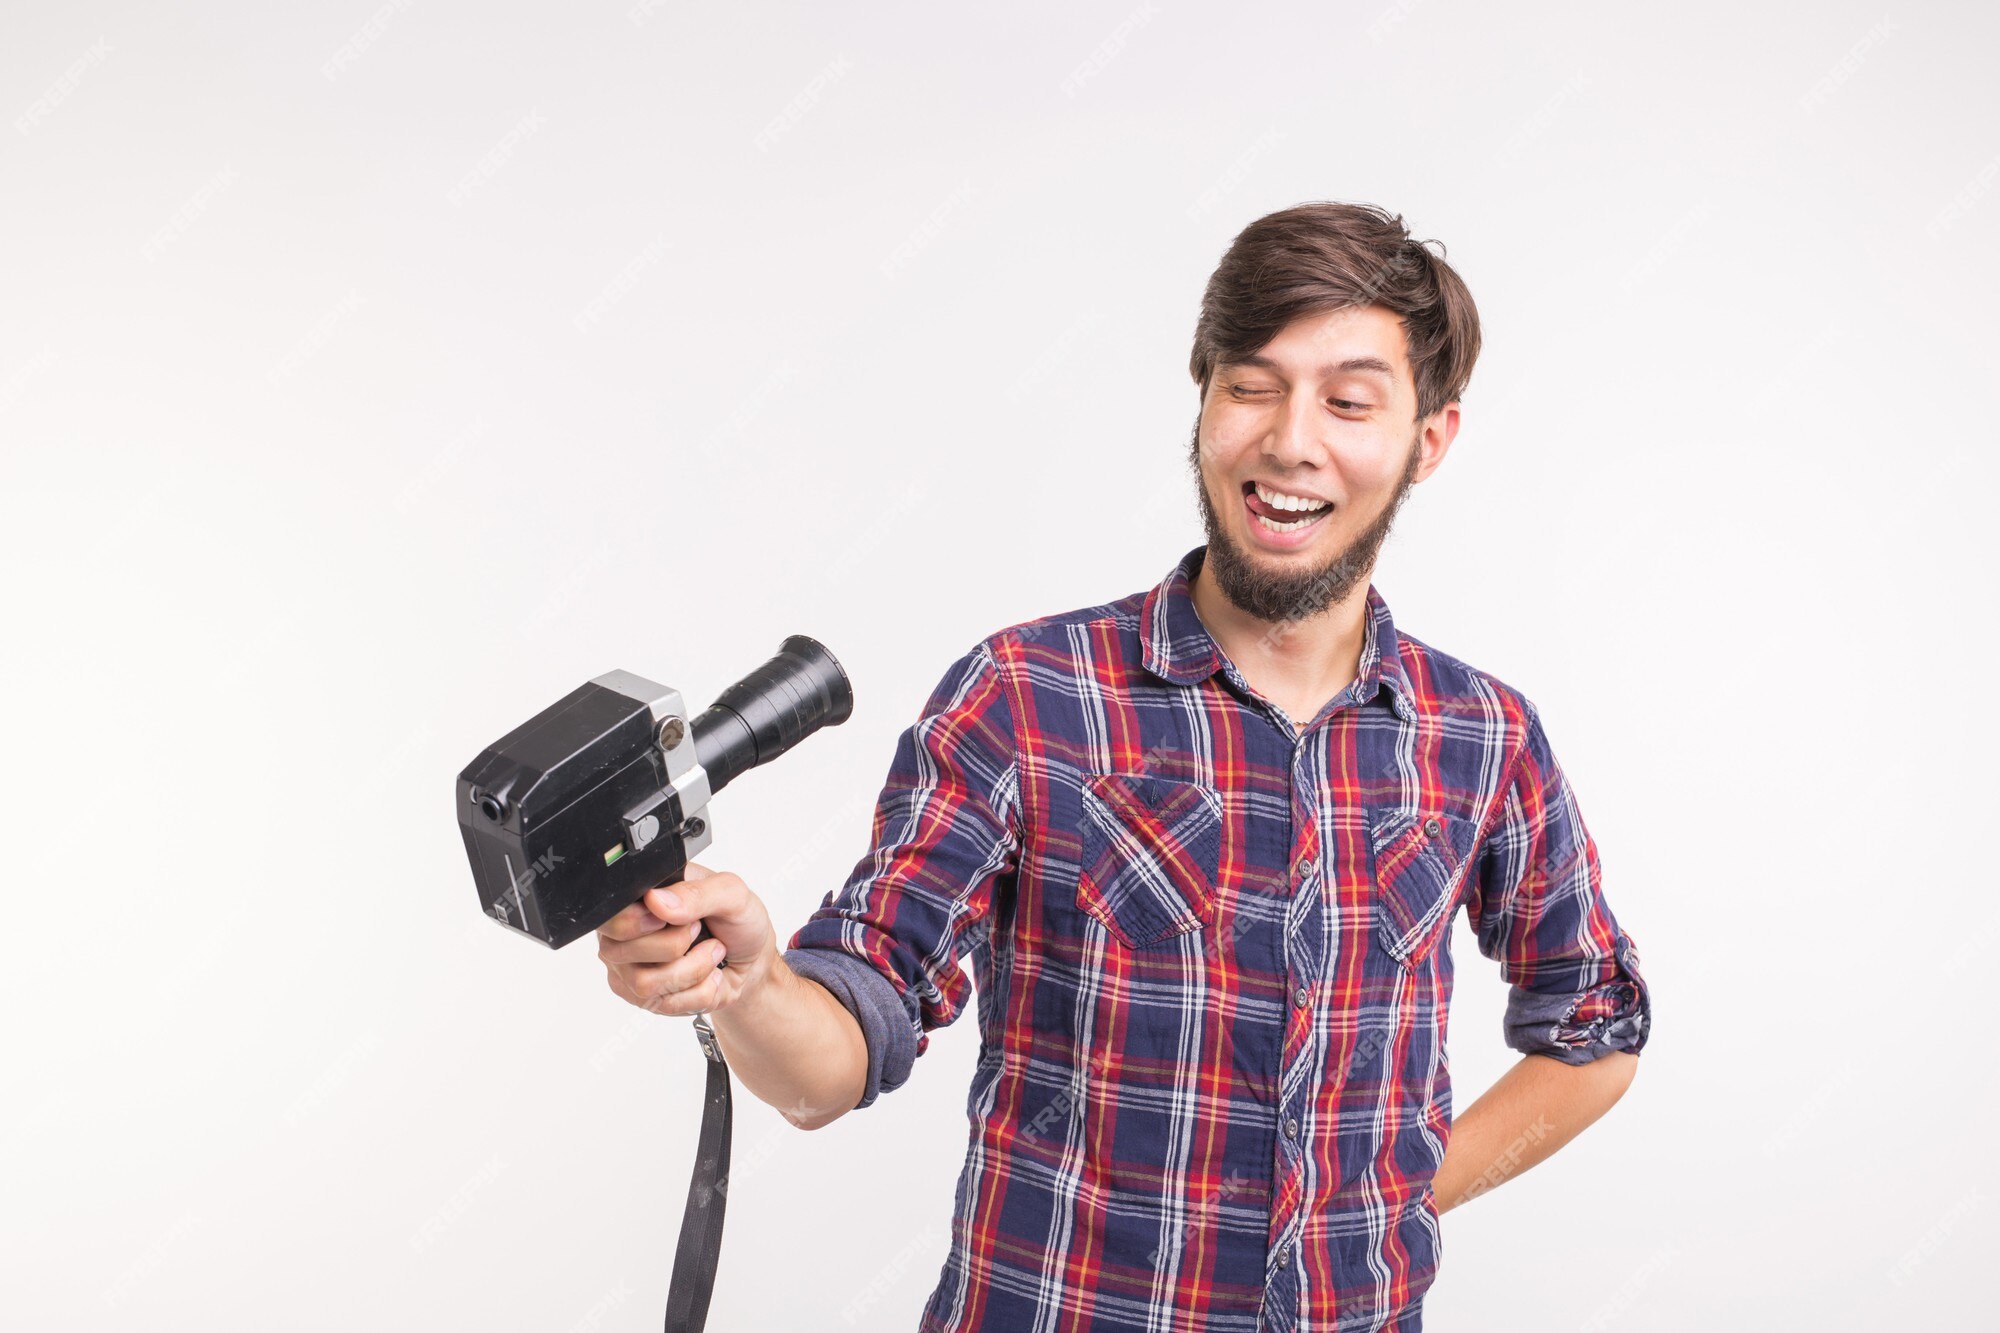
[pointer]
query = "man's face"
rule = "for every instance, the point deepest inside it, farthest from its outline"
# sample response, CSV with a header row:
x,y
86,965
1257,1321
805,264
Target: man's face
x,y
1322,419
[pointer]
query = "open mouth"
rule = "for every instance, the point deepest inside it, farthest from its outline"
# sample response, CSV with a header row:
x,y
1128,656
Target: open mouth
x,y
1278,514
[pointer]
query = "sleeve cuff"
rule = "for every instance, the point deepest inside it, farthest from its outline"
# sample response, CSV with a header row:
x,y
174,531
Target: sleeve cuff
x,y
1579,1028
886,1023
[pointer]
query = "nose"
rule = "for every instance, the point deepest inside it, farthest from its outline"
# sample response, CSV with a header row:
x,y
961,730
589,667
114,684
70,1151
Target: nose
x,y
1294,435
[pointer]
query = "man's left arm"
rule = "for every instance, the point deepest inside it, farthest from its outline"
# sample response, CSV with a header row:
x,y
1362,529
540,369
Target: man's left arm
x,y
1577,1009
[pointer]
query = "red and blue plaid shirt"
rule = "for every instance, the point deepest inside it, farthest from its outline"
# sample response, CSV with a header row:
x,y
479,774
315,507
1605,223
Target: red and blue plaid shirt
x,y
1212,963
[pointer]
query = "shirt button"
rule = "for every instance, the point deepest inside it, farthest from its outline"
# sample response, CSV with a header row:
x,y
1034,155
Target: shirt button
x,y
1301,997
1291,1127
1432,827
1301,867
1284,1255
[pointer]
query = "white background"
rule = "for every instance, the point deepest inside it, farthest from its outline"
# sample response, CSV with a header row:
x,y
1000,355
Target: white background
x,y
370,376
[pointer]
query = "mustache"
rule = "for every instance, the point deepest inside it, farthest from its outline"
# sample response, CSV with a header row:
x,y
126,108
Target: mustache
x,y
1281,596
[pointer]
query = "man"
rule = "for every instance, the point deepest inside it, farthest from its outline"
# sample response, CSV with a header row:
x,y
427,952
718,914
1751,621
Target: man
x,y
1203,847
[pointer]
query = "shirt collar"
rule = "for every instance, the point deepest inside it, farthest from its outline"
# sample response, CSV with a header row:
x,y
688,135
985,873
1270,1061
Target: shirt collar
x,y
1178,648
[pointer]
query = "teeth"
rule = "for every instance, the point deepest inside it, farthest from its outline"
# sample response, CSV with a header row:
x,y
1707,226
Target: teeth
x,y
1292,526
1279,500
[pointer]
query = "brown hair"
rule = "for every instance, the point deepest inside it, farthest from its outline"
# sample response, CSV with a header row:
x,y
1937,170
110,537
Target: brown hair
x,y
1312,258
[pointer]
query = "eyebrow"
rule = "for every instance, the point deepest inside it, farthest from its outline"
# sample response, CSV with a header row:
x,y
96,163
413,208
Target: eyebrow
x,y
1353,364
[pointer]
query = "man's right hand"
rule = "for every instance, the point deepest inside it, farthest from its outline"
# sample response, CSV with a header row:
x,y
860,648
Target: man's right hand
x,y
794,1045
646,952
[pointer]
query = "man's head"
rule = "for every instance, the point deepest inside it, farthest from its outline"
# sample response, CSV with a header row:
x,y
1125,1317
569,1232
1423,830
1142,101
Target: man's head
x,y
1331,352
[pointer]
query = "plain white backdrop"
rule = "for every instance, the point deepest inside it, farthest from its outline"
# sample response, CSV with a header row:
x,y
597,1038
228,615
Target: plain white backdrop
x,y
373,373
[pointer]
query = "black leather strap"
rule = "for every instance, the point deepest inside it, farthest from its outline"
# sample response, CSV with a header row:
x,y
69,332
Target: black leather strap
x,y
700,1245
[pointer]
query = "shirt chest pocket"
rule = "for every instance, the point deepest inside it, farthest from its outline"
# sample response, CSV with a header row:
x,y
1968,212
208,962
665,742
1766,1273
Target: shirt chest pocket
x,y
1421,862
1150,851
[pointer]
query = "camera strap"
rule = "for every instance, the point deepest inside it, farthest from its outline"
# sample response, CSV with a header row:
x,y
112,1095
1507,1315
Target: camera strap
x,y
700,1244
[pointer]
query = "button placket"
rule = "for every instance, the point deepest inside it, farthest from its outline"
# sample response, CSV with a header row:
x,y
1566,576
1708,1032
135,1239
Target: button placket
x,y
1301,948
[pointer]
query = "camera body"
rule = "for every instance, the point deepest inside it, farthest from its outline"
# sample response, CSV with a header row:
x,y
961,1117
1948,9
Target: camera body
x,y
603,795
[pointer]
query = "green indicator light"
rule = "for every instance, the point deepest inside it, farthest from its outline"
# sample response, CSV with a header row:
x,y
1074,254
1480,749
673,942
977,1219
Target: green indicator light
x,y
614,853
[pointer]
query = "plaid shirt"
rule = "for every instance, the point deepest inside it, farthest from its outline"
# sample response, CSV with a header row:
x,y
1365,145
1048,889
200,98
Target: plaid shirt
x,y
1212,961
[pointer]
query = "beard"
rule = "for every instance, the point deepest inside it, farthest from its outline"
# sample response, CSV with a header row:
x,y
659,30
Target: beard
x,y
1280,595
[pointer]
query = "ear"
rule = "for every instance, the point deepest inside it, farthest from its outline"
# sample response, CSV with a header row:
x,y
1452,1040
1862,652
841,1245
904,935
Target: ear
x,y
1439,429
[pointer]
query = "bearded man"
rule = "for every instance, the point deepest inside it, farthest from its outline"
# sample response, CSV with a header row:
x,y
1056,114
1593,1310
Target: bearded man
x,y
1200,850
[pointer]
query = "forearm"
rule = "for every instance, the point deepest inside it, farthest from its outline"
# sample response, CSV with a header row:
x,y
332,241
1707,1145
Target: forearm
x,y
795,1046
1537,1106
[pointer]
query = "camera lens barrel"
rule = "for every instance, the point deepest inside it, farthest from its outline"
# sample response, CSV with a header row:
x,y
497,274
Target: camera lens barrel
x,y
801,689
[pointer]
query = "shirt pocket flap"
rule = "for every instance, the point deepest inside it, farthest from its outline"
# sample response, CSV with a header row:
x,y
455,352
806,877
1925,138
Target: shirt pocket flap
x,y
1420,865
1151,848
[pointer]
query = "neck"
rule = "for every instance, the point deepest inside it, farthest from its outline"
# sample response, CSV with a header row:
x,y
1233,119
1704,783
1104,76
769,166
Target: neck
x,y
1313,657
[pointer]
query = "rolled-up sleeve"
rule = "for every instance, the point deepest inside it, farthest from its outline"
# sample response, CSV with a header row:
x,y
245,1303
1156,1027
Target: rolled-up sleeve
x,y
1538,906
946,840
